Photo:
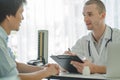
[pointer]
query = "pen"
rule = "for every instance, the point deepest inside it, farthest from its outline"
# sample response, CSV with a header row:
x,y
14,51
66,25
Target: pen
x,y
69,49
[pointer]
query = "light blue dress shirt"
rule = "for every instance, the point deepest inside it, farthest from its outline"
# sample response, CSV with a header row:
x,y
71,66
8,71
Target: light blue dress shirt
x,y
10,78
7,61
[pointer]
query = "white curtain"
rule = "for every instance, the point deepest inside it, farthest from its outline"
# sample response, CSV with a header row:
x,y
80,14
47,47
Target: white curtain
x,y
64,21
113,11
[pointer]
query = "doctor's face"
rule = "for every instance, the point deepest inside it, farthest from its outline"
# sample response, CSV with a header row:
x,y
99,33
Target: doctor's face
x,y
92,17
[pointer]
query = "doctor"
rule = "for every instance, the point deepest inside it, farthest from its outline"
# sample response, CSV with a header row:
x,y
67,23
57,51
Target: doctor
x,y
94,45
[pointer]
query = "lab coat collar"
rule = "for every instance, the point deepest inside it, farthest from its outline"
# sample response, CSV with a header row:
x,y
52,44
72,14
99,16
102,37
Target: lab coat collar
x,y
107,35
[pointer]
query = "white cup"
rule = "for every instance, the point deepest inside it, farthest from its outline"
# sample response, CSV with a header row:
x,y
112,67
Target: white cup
x,y
86,71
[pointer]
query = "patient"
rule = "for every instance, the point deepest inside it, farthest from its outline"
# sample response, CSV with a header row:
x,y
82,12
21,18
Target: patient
x,y
10,19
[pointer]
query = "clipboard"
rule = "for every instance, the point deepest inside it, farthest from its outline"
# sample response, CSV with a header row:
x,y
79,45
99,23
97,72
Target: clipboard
x,y
64,62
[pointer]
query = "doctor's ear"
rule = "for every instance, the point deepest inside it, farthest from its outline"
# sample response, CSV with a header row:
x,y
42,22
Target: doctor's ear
x,y
103,15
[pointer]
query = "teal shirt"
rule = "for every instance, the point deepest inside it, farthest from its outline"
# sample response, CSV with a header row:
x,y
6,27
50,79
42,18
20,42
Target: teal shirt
x,y
7,61
10,78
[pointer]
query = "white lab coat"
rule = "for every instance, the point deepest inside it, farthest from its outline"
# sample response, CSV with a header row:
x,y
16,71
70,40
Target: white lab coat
x,y
81,46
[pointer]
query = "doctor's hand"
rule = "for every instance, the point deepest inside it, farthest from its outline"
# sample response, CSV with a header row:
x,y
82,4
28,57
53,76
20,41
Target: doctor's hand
x,y
69,53
80,66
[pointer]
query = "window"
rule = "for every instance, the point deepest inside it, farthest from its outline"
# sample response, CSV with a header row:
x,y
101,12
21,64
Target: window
x,y
64,21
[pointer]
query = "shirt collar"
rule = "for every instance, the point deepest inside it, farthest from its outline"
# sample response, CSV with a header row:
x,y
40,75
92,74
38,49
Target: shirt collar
x,y
3,34
101,38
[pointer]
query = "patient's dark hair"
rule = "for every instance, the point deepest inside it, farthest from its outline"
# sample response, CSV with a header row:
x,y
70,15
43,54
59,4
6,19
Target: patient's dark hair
x,y
9,7
99,4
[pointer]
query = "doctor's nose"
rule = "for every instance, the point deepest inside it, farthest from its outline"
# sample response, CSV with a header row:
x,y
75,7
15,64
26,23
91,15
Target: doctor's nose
x,y
86,19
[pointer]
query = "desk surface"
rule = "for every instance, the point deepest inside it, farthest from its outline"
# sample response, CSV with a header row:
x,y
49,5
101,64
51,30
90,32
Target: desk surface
x,y
70,76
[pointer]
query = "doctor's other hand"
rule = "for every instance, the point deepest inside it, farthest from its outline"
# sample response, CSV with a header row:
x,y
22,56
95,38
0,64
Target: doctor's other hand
x,y
69,53
80,66
52,69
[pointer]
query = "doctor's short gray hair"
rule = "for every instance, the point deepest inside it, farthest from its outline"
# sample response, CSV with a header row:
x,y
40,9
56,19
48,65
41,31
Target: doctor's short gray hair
x,y
100,5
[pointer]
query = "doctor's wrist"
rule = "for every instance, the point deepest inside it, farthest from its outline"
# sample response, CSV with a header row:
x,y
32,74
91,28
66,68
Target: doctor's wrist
x,y
99,69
